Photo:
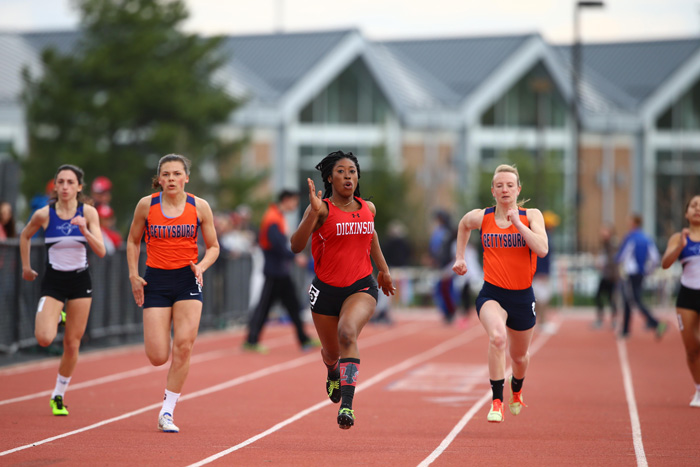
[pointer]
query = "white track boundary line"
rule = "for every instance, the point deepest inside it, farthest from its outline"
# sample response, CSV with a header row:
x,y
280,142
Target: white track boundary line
x,y
198,358
271,370
406,364
542,338
631,404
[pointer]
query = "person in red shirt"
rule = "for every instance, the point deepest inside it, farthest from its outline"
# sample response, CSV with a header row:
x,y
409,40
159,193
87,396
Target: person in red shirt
x,y
112,237
512,238
343,295
170,291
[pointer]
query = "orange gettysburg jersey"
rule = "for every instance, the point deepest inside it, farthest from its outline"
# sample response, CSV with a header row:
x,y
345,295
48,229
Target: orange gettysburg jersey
x,y
171,242
341,247
508,261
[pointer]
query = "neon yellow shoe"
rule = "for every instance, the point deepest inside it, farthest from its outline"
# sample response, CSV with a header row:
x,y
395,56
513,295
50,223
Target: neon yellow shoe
x,y
496,413
346,418
516,401
58,407
333,389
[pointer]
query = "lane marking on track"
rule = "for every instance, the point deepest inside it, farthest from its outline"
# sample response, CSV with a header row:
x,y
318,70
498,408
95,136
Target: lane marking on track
x,y
456,341
273,370
198,358
487,397
631,404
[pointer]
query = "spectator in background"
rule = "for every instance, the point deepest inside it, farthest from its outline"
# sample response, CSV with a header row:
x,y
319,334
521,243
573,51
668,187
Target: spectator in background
x,y
542,281
397,253
113,239
638,256
279,284
8,225
440,248
609,275
472,280
101,191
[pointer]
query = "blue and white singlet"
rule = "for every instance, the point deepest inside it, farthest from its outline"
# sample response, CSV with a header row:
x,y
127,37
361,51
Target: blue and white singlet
x,y
65,244
690,260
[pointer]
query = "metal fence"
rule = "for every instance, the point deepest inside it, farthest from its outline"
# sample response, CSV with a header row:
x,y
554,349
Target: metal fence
x,y
113,312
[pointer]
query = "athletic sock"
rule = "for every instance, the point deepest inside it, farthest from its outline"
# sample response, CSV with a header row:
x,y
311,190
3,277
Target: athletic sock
x,y
349,369
61,386
333,370
497,388
516,385
169,401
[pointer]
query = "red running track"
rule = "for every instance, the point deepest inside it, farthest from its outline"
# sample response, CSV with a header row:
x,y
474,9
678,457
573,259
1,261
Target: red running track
x,y
422,399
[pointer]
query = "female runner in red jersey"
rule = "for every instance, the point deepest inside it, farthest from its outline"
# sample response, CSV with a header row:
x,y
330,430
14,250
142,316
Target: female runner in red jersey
x,y
171,289
511,237
343,294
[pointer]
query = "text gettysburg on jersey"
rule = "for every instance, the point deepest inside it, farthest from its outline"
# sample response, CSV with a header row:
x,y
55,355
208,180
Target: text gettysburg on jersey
x,y
172,231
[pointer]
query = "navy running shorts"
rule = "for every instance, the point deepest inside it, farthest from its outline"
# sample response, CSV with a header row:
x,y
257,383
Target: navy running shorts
x,y
164,287
328,300
688,298
66,285
519,304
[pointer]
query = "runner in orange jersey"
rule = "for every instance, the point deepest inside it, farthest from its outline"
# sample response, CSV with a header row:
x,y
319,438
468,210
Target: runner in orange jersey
x,y
171,289
512,238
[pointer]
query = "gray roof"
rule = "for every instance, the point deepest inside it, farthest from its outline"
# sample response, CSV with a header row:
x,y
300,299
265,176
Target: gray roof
x,y
415,74
452,68
271,64
627,73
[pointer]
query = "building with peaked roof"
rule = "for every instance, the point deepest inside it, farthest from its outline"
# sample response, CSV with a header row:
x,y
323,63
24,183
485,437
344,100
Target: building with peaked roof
x,y
447,111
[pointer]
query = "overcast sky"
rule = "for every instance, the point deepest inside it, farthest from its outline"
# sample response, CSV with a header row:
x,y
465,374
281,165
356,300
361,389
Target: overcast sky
x,y
618,20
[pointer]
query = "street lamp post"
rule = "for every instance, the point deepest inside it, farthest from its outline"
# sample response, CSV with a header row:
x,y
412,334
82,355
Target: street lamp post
x,y
576,85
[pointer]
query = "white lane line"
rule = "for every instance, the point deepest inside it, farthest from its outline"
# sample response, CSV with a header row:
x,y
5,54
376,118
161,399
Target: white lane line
x,y
631,404
406,364
198,358
487,397
377,339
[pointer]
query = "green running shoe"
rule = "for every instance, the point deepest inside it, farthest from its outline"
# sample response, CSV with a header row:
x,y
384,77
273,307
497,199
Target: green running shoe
x,y
333,389
58,407
346,418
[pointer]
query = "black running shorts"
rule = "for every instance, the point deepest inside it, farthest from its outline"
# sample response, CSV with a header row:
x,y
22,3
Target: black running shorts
x,y
66,285
688,298
519,304
328,300
164,287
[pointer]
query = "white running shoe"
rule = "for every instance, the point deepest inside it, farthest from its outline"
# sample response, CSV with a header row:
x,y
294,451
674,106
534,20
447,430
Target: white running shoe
x,y
166,425
696,400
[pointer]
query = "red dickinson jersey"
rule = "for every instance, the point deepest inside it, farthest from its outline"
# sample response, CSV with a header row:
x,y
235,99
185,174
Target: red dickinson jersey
x,y
171,242
508,261
341,247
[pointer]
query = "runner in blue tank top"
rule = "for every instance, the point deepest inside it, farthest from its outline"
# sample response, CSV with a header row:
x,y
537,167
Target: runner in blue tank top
x,y
70,227
685,246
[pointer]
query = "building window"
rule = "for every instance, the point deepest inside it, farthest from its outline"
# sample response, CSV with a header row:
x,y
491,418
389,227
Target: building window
x,y
352,98
683,114
532,102
677,180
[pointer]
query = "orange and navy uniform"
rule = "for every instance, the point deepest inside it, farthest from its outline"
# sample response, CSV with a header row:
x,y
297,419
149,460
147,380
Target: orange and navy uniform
x,y
274,243
341,246
508,262
171,242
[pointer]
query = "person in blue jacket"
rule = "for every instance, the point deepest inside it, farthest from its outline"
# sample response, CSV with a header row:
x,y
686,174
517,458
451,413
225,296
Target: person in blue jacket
x,y
637,256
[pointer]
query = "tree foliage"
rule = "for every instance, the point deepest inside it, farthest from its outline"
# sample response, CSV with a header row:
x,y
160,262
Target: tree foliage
x,y
132,89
